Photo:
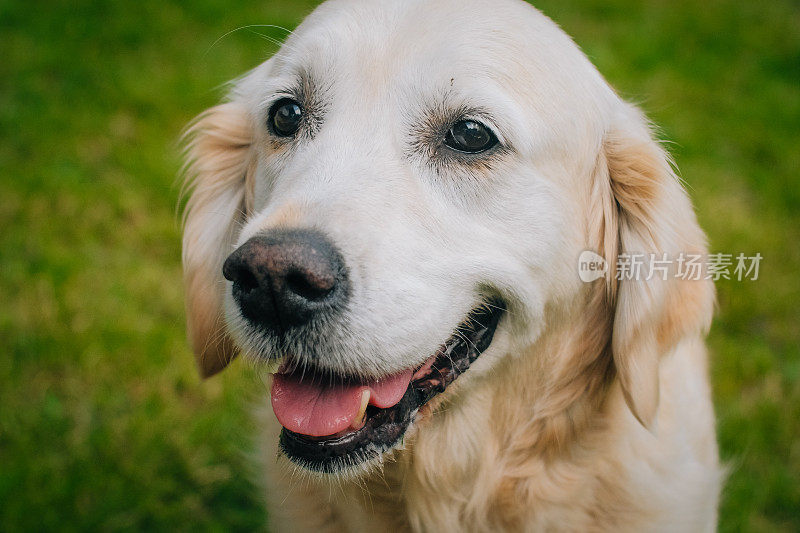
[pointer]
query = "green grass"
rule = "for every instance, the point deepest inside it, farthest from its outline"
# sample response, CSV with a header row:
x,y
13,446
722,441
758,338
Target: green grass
x,y
103,421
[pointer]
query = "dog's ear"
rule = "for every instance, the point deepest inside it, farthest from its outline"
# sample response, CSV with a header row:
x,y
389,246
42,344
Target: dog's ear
x,y
645,211
217,169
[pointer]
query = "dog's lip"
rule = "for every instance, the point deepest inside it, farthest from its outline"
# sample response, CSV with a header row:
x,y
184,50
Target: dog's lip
x,y
287,366
384,428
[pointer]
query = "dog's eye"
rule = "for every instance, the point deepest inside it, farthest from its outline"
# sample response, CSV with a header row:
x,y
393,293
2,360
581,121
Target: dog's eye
x,y
284,117
470,136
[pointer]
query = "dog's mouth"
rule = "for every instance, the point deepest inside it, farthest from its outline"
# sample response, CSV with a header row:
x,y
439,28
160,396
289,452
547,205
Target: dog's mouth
x,y
332,423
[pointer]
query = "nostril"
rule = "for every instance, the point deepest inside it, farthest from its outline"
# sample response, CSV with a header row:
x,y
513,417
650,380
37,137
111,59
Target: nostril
x,y
307,286
246,280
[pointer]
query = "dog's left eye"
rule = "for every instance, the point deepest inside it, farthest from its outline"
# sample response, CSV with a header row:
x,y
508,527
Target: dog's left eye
x,y
284,117
470,136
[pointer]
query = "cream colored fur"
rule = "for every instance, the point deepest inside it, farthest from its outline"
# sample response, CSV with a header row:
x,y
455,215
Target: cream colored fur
x,y
591,411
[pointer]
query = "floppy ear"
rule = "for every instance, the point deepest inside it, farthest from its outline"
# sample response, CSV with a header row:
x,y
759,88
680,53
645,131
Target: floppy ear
x,y
645,210
218,161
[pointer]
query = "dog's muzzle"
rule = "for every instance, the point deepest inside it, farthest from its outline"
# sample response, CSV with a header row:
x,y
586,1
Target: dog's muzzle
x,y
289,282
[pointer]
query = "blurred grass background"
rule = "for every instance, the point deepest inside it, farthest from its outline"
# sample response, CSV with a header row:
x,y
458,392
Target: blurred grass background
x,y
104,424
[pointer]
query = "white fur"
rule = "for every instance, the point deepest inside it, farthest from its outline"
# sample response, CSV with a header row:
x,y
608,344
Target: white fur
x,y
423,239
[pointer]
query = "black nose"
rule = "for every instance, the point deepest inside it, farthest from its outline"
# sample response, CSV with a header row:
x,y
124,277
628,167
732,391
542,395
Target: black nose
x,y
285,278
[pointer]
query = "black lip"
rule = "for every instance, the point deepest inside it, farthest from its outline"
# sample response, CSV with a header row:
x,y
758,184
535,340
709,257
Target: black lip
x,y
384,428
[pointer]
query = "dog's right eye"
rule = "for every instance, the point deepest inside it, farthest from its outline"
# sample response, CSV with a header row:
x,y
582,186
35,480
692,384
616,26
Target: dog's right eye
x,y
470,137
284,117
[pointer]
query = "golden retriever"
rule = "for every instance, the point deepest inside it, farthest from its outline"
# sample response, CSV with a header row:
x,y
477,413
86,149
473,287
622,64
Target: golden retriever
x,y
388,217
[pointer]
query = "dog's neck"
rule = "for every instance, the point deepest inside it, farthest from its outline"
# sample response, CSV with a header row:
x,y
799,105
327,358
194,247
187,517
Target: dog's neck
x,y
531,420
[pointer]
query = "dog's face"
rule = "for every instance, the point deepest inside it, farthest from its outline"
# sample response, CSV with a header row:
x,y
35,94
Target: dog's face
x,y
401,188
428,227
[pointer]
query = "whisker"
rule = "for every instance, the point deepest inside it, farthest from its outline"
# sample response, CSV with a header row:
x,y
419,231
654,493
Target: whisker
x,y
240,28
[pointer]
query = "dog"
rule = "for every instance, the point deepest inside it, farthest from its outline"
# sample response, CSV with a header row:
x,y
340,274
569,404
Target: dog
x,y
389,216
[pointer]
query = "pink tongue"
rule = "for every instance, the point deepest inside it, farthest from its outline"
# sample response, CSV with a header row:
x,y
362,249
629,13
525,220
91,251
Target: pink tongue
x,y
317,408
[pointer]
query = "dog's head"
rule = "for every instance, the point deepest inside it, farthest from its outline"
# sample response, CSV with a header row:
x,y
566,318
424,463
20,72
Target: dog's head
x,y
406,185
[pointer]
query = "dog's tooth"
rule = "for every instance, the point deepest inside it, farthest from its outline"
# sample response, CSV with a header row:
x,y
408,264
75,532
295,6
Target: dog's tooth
x,y
273,365
361,417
